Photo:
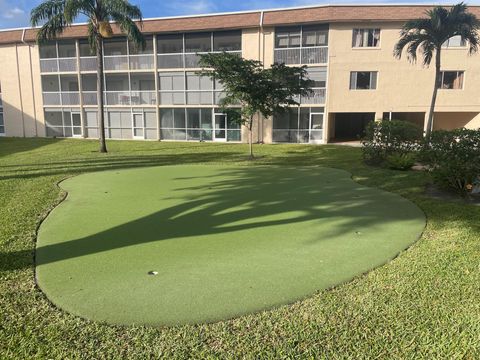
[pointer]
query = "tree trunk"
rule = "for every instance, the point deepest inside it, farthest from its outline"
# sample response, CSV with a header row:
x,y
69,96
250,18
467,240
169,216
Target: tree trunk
x,y
250,137
100,114
438,80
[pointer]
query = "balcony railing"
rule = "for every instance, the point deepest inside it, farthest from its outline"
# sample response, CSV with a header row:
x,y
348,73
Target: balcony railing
x,y
88,63
318,97
142,62
58,65
89,97
183,60
306,55
61,98
130,98
115,62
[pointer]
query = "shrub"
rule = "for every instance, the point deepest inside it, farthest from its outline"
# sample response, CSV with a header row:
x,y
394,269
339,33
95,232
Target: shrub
x,y
399,161
454,159
388,137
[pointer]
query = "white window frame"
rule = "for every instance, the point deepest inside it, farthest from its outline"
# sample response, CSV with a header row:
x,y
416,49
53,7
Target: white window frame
x,y
442,73
371,77
365,35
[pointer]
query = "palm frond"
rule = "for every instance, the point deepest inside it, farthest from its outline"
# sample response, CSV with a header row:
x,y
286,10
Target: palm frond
x,y
74,8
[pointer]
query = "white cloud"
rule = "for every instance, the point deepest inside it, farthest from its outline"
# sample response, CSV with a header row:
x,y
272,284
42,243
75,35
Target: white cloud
x,y
13,13
192,7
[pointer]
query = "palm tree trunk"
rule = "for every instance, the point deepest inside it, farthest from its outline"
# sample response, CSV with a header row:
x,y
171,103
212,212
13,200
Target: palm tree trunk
x,y
438,79
100,114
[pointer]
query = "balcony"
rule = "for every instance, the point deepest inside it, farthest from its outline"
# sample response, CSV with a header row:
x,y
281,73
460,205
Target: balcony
x,y
115,62
58,65
130,98
88,63
318,97
61,98
89,97
183,60
142,62
305,55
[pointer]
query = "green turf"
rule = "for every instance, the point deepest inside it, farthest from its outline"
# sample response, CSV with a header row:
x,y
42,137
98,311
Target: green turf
x,y
225,240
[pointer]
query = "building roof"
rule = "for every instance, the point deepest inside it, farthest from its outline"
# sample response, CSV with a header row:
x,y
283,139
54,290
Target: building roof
x,y
252,19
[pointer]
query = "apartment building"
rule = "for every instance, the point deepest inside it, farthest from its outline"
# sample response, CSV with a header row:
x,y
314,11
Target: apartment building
x,y
156,94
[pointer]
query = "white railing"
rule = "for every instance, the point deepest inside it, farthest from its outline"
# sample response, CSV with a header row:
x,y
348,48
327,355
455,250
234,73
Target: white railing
x,y
88,63
61,98
58,65
67,64
89,97
142,62
143,98
51,98
130,98
115,62
184,60
170,61
70,98
307,55
318,97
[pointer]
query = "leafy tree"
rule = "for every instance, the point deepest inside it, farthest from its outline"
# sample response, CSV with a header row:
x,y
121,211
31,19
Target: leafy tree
x,y
427,35
57,15
257,90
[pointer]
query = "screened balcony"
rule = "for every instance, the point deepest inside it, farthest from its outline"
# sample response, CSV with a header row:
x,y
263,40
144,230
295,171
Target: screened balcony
x,y
182,50
58,56
60,90
301,45
130,89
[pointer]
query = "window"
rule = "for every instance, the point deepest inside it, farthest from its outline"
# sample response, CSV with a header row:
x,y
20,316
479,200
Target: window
x,y
452,80
63,122
115,47
84,48
318,75
366,38
170,44
132,50
48,51
314,35
455,41
67,49
287,37
227,41
363,80
198,42
298,125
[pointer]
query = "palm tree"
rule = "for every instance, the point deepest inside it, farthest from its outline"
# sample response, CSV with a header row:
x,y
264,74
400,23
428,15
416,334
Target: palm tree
x,y
427,35
57,15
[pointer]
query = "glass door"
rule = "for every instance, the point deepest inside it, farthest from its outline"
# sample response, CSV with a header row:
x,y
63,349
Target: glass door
x,y
138,126
76,124
220,127
316,127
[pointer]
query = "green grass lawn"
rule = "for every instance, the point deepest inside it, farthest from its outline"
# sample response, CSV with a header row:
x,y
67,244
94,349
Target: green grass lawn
x,y
423,304
225,240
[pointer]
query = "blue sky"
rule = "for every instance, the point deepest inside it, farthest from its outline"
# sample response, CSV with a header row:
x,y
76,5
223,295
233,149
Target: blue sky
x,y
15,13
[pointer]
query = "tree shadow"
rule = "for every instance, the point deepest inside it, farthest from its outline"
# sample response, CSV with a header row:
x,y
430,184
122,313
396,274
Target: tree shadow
x,y
245,198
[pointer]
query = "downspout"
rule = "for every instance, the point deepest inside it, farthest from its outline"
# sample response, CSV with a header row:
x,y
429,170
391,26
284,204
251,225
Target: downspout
x,y
31,81
20,85
261,57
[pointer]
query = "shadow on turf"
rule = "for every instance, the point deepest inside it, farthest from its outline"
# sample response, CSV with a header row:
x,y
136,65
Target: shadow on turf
x,y
262,193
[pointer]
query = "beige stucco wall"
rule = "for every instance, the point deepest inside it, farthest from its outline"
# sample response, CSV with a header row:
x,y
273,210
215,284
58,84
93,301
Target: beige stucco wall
x,y
21,90
454,120
401,86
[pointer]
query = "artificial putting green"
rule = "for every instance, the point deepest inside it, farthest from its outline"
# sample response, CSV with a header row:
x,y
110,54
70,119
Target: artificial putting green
x,y
224,240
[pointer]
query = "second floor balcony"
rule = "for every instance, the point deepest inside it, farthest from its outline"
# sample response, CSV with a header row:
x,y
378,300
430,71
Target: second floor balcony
x,y
304,55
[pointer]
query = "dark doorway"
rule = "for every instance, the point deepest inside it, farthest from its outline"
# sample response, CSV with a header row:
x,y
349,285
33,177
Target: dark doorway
x,y
351,126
